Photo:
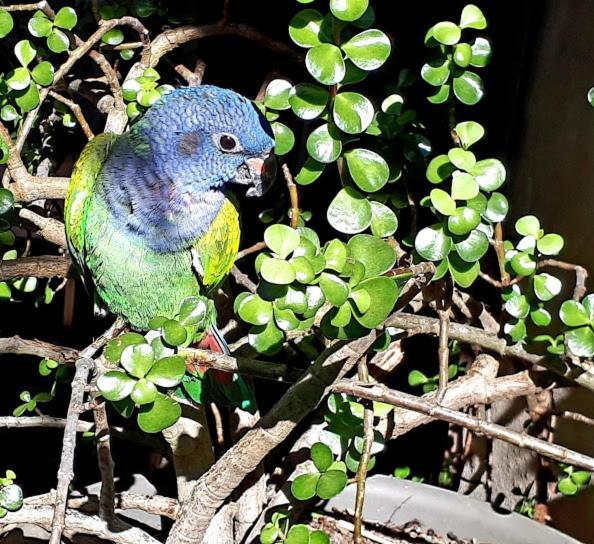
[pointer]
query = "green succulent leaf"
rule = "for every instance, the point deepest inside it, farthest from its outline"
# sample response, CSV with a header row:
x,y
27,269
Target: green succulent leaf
x,y
442,201
377,255
469,88
463,272
441,96
352,112
331,483
384,221
57,41
6,200
281,239
473,247
159,415
348,10
489,173
322,456
66,18
307,100
144,392
174,333
368,50
113,37
546,287
573,314
436,72
324,145
580,341
368,169
462,54
138,359
283,137
481,52
168,371
39,25
11,497
469,133
349,212
432,243
309,172
18,79
335,289
529,225
277,94
447,33
472,17
305,28
277,271
304,486
6,23
43,73
326,64
463,221
115,385
497,208
383,293
439,169
550,244
114,348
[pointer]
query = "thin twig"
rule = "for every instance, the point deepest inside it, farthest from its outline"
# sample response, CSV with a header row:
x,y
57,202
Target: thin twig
x,y
581,275
75,109
381,393
443,352
368,431
500,251
293,194
105,462
193,79
21,346
84,367
259,246
243,279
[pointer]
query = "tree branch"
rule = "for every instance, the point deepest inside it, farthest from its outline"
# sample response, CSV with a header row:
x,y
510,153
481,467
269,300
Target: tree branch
x,y
50,229
76,111
65,473
46,266
20,346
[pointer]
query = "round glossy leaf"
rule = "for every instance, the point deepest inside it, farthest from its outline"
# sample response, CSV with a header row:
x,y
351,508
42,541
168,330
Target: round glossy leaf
x,y
6,200
439,169
309,172
322,456
43,73
546,286
304,486
342,316
376,255
472,17
39,25
285,319
436,73
168,371
481,53
336,254
573,314
335,290
384,221
6,23
174,333
352,112
266,339
319,537
497,208
277,94
148,97
580,341
307,101
66,18
115,385
581,477
331,483
18,79
392,105
323,144
368,169
28,99
277,271
304,272
464,186
159,415
541,317
7,113
441,96
473,247
462,54
442,202
349,212
517,306
529,225
462,159
298,534
523,264
550,244
283,137
383,293
469,133
447,33
432,243
282,239
353,74
57,41
489,173
113,37
11,497
305,28
325,63
254,310
25,52
463,220
469,88
144,392
138,359
192,312
348,10
368,50
114,348
567,487
463,272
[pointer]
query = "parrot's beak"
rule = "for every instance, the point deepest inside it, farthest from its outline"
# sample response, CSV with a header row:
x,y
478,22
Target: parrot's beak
x,y
259,172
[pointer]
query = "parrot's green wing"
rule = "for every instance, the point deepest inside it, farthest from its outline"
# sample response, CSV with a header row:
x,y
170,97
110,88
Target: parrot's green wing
x,y
82,184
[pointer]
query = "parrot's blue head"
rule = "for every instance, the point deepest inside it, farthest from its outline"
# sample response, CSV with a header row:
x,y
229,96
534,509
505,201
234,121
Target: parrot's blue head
x,y
202,138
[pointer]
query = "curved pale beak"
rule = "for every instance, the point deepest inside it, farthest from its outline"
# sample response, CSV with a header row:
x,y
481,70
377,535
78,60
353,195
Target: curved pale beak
x,y
259,172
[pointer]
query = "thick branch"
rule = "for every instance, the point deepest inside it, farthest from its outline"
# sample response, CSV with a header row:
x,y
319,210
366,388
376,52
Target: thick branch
x,y
46,266
226,475
20,346
381,393
50,229
117,531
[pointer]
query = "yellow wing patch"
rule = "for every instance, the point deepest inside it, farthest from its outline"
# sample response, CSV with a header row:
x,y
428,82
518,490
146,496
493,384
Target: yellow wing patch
x,y
218,248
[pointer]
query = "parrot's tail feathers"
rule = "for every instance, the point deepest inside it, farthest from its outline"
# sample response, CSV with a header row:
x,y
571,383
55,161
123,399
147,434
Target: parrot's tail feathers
x,y
214,341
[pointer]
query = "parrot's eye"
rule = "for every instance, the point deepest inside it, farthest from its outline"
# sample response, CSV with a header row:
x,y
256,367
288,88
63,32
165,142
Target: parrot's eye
x,y
228,143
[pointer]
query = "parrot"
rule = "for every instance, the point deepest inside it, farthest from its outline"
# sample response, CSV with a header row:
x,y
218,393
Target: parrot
x,y
150,219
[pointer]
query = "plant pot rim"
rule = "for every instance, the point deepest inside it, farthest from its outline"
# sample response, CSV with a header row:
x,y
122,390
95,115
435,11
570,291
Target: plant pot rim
x,y
389,499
